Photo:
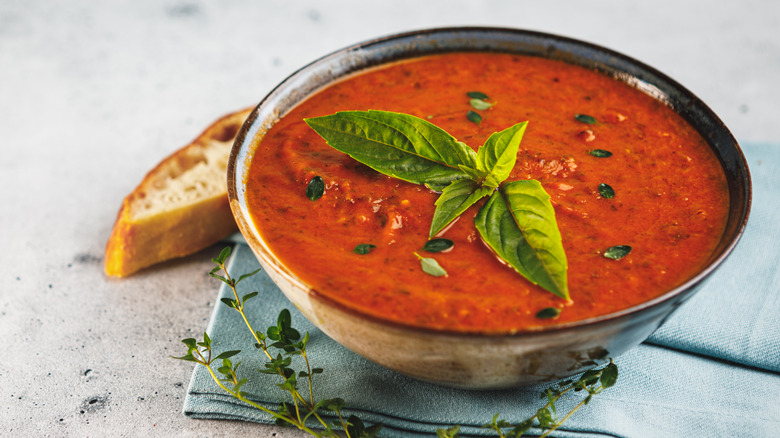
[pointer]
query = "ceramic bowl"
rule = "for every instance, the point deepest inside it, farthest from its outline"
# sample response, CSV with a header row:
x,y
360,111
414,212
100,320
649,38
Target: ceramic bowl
x,y
474,360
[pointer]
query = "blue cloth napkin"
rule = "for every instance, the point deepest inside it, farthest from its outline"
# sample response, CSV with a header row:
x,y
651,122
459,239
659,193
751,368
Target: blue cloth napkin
x,y
713,369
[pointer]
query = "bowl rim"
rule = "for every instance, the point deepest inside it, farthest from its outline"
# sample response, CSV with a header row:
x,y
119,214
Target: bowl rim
x,y
243,148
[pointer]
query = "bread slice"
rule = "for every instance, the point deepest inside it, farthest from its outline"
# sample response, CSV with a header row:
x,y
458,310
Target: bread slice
x,y
181,205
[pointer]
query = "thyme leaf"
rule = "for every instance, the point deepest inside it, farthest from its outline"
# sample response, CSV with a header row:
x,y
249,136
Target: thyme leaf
x,y
438,245
315,189
363,248
584,118
431,267
617,252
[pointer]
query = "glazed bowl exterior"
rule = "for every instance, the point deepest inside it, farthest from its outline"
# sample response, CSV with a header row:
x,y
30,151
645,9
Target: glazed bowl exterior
x,y
485,360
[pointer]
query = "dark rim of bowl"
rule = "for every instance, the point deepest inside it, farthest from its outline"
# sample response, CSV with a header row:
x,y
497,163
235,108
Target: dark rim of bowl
x,y
621,67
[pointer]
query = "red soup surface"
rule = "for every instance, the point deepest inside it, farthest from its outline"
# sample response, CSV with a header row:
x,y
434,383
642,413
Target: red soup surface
x,y
670,198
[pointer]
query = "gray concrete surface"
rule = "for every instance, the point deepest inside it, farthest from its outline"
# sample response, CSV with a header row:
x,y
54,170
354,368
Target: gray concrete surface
x,y
94,93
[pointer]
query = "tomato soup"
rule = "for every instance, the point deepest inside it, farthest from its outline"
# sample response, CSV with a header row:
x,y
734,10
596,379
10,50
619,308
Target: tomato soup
x,y
669,205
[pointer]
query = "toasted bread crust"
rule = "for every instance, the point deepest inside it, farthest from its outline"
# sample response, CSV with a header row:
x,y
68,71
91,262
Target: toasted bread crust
x,y
143,236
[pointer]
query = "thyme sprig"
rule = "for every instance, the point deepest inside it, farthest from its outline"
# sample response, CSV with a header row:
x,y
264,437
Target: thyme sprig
x,y
546,418
284,340
304,413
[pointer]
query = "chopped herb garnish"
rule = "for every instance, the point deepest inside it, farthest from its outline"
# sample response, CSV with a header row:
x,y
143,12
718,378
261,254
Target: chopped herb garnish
x,y
364,248
584,118
474,117
438,245
480,104
606,191
548,313
600,153
617,252
477,95
315,189
431,266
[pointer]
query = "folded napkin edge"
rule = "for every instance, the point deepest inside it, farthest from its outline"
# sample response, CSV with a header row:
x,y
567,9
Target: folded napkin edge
x,y
703,355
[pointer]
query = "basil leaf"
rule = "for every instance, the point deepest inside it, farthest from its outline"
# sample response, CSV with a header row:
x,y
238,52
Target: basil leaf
x,y
363,248
600,153
436,187
438,245
397,145
518,223
454,200
477,95
315,189
474,117
606,191
480,104
617,252
498,155
584,118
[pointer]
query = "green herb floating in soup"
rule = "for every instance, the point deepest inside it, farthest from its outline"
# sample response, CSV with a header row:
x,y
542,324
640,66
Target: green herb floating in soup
x,y
430,266
479,104
363,248
617,252
315,189
606,191
548,313
477,95
600,153
515,199
438,245
584,118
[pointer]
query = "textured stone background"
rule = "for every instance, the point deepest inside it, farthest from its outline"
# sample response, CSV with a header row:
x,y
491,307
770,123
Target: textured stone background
x,y
94,93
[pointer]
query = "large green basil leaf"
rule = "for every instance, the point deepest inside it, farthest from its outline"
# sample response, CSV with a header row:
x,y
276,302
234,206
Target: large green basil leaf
x,y
498,155
518,223
454,200
397,145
